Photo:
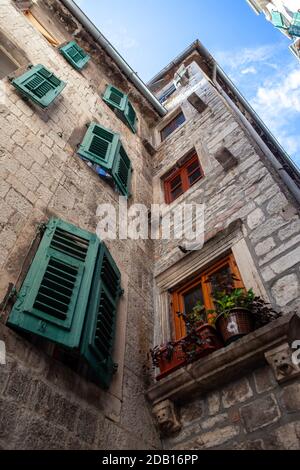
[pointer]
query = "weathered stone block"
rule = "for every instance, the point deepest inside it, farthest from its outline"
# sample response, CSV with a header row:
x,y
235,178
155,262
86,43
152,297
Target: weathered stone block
x,y
236,392
260,413
256,218
213,403
87,426
216,438
19,386
226,159
291,397
197,102
288,436
214,421
264,379
286,289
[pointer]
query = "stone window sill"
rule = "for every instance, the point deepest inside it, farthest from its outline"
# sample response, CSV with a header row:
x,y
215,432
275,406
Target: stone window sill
x,y
225,364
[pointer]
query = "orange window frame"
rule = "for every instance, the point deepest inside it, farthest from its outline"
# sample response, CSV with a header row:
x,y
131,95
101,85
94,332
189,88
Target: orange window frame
x,y
202,280
184,175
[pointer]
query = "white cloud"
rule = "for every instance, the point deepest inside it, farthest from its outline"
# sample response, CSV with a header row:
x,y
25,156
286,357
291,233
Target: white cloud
x,y
249,70
274,93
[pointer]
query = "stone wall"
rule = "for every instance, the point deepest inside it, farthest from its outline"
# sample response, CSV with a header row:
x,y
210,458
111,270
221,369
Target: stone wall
x,y
252,413
43,403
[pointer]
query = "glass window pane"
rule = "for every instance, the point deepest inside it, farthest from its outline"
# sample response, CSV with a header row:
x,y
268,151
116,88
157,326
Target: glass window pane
x,y
195,176
175,182
191,298
192,166
221,280
176,193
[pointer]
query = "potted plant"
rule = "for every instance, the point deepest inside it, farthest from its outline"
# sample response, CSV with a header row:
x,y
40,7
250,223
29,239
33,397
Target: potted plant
x,y
240,312
168,358
201,339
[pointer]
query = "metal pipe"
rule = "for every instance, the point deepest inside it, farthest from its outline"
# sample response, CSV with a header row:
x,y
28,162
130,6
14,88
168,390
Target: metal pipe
x,y
113,53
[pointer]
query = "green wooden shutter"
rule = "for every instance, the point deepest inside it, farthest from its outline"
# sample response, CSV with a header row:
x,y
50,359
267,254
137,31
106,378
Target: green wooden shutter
x,y
130,116
278,20
115,98
99,146
99,330
40,85
75,55
294,29
122,170
53,299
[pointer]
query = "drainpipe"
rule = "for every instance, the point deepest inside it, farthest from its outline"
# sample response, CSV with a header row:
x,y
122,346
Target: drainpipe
x,y
113,53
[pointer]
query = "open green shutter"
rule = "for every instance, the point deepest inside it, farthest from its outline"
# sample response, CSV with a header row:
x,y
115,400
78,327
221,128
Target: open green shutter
x,y
99,146
115,98
294,29
99,330
75,55
122,170
278,20
40,85
130,116
53,299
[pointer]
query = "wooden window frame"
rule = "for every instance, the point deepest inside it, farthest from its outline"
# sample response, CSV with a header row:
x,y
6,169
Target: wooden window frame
x,y
172,125
201,279
182,171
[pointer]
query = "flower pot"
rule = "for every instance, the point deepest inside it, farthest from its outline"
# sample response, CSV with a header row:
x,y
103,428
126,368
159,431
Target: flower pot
x,y
236,324
168,365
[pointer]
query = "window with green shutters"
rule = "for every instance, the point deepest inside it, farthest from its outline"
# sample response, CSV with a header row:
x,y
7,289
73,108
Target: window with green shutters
x,y
40,85
75,55
103,147
99,331
118,101
278,20
294,29
71,292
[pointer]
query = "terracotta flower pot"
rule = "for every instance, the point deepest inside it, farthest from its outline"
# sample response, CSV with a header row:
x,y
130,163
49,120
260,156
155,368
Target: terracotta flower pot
x,y
236,324
187,350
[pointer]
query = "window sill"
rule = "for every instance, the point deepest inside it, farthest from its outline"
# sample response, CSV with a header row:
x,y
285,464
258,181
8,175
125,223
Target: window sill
x,y
223,365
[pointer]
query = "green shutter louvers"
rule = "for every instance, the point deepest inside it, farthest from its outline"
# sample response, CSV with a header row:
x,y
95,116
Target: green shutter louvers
x,y
40,85
122,171
118,101
99,331
278,20
294,29
99,146
103,147
75,55
54,295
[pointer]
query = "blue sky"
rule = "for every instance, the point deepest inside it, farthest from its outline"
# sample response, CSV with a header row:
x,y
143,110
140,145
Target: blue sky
x,y
149,34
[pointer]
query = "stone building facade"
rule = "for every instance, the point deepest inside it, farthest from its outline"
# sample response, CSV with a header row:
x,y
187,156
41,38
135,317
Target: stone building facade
x,y
239,396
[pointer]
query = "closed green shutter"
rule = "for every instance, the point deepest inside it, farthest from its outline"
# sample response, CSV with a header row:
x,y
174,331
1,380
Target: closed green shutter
x,y
40,85
75,55
115,98
130,116
53,299
294,29
99,146
122,171
99,330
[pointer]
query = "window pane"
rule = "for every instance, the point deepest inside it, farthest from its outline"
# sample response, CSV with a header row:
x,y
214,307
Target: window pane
x,y
176,193
195,176
175,182
191,298
7,66
172,126
221,280
192,167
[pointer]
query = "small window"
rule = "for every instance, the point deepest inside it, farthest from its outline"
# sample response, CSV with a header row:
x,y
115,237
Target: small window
x,y
70,297
167,93
202,288
172,126
7,64
119,102
39,27
40,85
103,147
182,178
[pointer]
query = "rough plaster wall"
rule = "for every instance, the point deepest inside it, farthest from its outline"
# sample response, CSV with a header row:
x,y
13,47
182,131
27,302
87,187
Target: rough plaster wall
x,y
43,403
251,191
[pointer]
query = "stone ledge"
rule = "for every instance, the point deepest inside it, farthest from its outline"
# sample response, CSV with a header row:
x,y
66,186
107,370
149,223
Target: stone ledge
x,y
225,364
